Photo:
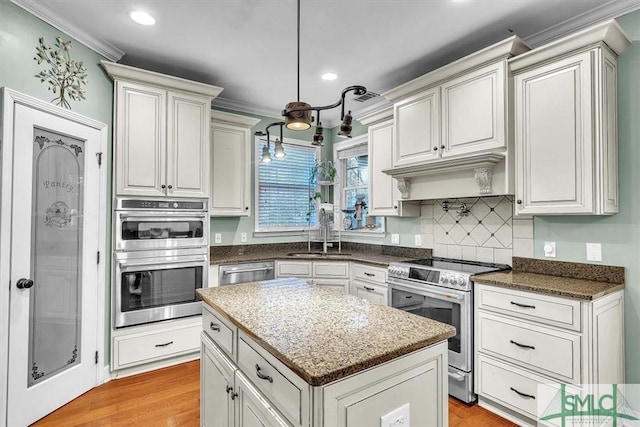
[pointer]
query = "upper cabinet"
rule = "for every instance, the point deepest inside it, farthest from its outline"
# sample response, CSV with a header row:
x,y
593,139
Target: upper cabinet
x,y
230,164
454,124
566,124
161,134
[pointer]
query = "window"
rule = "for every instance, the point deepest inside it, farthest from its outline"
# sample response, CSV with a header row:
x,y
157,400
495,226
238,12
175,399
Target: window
x,y
353,166
283,188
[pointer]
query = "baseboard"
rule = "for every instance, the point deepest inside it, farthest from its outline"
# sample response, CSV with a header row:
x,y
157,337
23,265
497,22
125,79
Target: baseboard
x,y
106,374
505,413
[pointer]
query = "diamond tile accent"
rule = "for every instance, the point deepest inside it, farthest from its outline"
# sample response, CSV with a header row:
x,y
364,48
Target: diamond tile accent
x,y
469,222
493,222
504,209
505,235
480,234
448,220
492,201
458,233
492,242
480,209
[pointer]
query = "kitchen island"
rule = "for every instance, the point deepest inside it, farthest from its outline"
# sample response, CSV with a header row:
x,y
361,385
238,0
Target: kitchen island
x,y
283,352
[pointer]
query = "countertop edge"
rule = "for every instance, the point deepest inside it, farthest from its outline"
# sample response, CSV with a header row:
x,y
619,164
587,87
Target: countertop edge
x,y
336,374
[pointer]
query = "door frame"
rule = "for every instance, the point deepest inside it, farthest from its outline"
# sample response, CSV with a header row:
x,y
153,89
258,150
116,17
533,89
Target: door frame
x,y
9,99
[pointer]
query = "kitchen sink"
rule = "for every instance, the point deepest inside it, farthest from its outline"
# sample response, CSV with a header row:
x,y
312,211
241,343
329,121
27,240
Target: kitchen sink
x,y
316,254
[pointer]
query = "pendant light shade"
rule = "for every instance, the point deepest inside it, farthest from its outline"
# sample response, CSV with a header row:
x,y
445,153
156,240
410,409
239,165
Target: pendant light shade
x,y
279,151
266,157
345,127
297,117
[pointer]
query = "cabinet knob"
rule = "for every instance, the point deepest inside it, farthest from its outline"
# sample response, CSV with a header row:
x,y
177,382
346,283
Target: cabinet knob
x,y
435,148
246,208
442,146
163,186
24,283
519,201
395,207
170,186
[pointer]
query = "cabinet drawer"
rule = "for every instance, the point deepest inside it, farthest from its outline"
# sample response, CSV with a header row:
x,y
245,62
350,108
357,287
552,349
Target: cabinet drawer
x,y
331,269
293,269
220,332
370,274
373,293
513,387
341,285
131,350
285,395
545,350
548,310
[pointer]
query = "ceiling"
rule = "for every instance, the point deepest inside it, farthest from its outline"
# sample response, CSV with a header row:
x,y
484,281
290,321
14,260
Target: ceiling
x,y
248,47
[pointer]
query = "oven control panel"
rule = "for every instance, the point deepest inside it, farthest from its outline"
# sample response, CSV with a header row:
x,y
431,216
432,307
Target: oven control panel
x,y
458,280
429,275
398,271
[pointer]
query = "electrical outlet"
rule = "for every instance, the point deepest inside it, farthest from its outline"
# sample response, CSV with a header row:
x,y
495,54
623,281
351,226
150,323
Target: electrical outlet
x,y
549,249
218,238
418,239
594,252
397,418
395,239
243,237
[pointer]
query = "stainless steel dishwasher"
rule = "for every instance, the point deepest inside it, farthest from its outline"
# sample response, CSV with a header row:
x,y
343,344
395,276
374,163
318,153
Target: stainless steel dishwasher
x,y
230,274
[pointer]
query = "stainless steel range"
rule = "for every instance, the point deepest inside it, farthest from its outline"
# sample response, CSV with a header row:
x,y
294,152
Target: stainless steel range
x,y
440,289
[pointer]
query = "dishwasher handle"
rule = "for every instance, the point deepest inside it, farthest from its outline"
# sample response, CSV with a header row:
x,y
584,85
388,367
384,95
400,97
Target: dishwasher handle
x,y
246,270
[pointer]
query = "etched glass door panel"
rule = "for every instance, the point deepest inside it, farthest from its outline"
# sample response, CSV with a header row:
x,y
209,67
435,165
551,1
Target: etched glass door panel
x,y
56,254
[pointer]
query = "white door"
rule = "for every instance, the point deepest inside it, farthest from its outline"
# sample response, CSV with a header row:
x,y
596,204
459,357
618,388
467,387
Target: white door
x,y
54,276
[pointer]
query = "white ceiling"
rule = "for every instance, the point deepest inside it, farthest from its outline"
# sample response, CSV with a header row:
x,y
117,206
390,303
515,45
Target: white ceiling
x,y
248,47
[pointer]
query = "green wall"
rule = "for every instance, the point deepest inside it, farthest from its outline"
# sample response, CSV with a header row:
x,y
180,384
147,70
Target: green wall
x,y
19,34
620,233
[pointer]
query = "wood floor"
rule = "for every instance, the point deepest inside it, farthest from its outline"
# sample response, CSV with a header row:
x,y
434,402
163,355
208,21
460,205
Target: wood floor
x,y
170,397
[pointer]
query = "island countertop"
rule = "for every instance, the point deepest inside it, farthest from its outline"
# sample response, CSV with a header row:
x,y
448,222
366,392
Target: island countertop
x,y
321,334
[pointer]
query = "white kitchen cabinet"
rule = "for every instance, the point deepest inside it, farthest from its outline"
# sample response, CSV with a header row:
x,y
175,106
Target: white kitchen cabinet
x,y
302,269
566,125
231,164
384,196
161,133
526,339
254,388
474,111
370,283
218,382
142,348
417,128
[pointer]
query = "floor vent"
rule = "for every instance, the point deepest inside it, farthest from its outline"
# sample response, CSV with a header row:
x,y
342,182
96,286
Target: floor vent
x,y
368,95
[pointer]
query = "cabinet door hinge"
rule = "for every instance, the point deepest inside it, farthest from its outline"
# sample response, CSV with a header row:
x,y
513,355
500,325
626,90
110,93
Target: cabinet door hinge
x,y
98,258
99,156
96,357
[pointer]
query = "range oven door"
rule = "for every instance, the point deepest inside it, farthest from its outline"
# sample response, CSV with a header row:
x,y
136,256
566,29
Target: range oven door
x,y
140,230
444,305
157,285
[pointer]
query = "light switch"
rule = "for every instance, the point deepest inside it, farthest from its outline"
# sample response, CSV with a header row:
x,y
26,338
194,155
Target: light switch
x,y
243,237
217,238
395,239
594,252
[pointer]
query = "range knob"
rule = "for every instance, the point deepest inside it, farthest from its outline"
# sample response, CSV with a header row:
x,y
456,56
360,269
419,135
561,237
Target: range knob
x,y
444,278
175,205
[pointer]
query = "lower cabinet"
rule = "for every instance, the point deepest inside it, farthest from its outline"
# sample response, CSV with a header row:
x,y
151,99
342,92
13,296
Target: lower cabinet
x,y
526,342
253,388
142,348
370,283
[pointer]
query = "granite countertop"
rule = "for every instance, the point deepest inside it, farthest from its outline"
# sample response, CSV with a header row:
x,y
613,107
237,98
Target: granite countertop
x,y
572,287
366,257
322,334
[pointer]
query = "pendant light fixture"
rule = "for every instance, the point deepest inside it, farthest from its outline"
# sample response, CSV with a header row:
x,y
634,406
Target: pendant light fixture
x,y
298,114
279,151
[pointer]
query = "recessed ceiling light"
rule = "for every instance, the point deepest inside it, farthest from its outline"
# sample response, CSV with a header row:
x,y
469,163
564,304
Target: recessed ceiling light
x,y
142,18
329,76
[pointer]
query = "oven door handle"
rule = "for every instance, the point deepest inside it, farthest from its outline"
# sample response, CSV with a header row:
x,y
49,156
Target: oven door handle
x,y
138,263
164,217
456,376
431,292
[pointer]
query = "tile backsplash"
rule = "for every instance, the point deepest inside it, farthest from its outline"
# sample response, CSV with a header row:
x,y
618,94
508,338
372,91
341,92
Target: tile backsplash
x,y
488,232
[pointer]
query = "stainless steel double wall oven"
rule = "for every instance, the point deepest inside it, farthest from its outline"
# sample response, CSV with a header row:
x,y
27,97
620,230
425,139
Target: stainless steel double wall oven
x,y
161,256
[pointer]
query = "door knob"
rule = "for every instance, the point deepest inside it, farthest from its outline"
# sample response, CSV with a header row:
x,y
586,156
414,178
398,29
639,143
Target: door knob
x,y
24,283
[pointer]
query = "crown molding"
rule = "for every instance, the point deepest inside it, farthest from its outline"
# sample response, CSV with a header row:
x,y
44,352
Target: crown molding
x,y
611,10
245,107
39,10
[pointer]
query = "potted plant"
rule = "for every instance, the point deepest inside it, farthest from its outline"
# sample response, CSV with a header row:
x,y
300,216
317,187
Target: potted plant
x,y
323,172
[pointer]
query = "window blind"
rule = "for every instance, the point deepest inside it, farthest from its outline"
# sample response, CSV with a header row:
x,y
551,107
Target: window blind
x,y
284,190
